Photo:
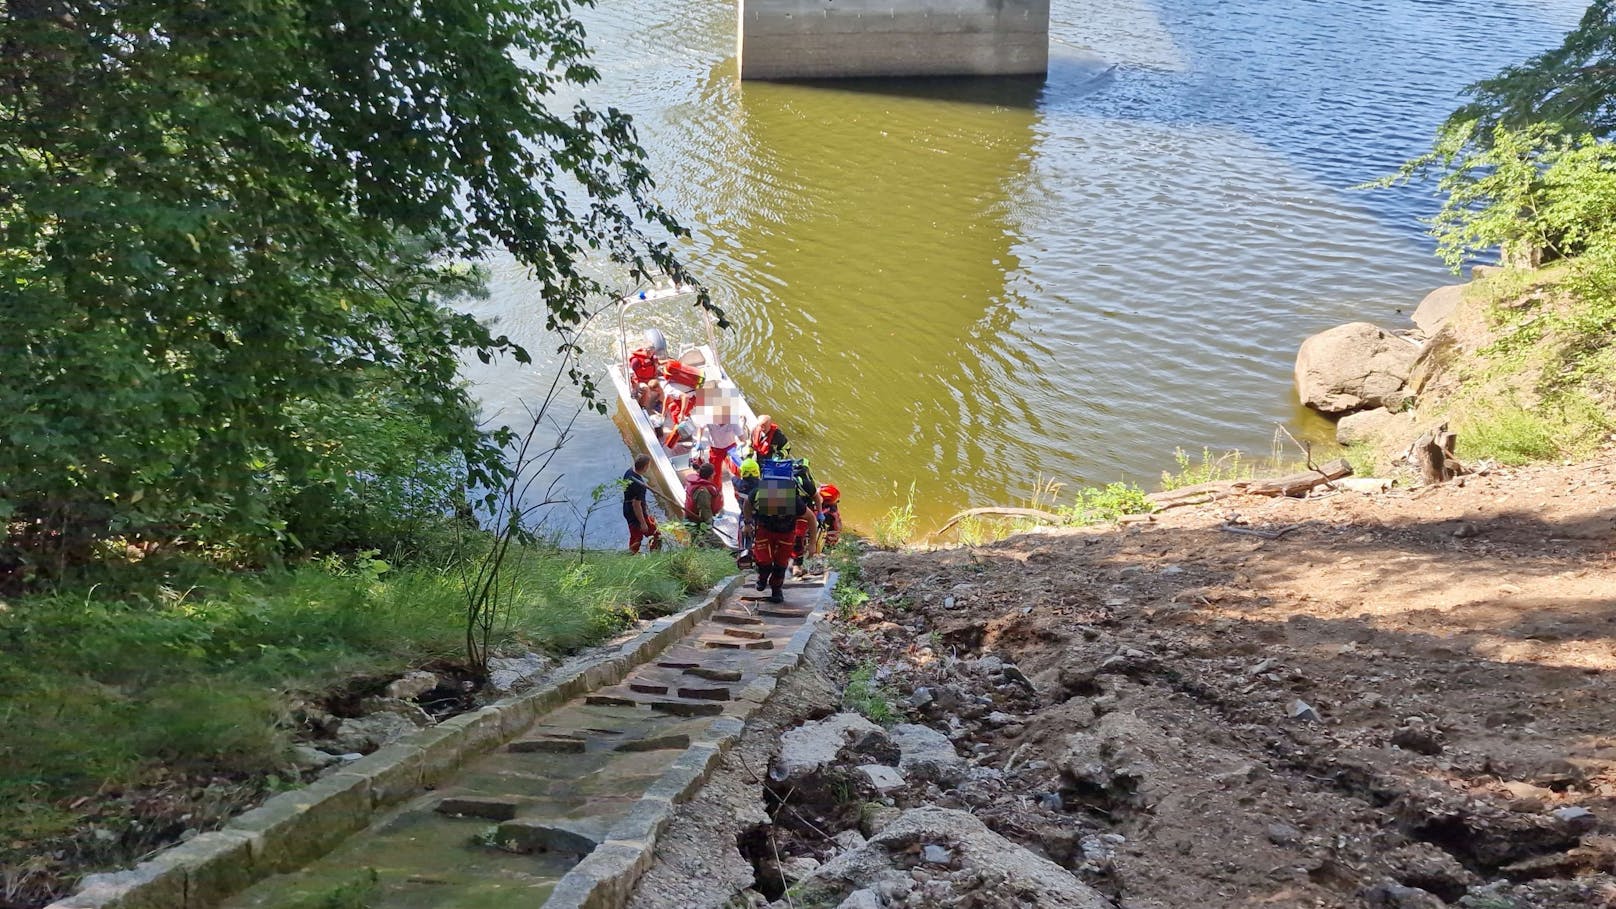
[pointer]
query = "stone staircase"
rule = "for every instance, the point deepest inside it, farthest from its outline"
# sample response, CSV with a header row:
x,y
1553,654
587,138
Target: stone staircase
x,y
600,769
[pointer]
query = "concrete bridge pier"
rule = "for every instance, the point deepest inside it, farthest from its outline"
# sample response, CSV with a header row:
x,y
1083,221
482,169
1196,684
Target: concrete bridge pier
x,y
834,39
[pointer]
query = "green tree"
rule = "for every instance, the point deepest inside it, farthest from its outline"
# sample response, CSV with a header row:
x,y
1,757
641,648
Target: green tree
x,y
220,217
1570,88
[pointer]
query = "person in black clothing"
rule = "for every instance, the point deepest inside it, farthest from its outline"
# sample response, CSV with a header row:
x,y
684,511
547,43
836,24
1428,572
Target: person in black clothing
x,y
641,525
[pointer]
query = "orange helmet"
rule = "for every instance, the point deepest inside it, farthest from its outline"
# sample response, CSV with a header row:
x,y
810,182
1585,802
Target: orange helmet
x,y
830,493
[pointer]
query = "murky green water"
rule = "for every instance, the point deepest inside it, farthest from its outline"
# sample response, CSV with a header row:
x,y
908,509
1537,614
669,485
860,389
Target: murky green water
x,y
972,286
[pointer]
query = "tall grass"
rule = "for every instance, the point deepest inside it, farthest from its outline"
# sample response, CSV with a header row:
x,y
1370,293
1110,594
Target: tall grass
x,y
98,693
1571,426
897,527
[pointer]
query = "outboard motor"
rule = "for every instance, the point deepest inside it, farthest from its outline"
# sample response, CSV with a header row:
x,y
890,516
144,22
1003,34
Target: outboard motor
x,y
655,341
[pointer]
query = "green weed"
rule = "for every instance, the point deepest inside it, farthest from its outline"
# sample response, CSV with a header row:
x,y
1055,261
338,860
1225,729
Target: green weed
x,y
1103,504
1229,465
869,697
897,527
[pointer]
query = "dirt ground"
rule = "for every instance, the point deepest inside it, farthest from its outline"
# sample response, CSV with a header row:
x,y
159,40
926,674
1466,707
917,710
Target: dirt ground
x,y
1399,699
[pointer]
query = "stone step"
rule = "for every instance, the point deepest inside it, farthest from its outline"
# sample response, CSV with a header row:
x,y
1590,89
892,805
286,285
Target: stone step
x,y
657,743
647,687
552,744
714,675
728,643
678,664
687,708
751,634
784,612
732,618
610,700
706,694
491,809
571,836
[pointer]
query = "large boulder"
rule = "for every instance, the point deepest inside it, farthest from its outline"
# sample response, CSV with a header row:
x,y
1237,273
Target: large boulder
x,y
1372,425
810,747
1353,367
925,753
965,864
1437,308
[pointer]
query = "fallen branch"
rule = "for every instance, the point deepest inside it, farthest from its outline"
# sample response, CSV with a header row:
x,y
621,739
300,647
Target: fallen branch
x,y
1004,513
1265,534
1195,495
1298,484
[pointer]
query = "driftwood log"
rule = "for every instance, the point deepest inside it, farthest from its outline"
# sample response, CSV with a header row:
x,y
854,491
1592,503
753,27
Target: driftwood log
x,y
1195,495
1298,484
1003,513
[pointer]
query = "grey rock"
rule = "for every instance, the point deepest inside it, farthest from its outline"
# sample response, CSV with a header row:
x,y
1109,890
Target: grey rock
x,y
397,707
412,685
796,868
1283,834
310,758
1012,869
1434,372
1420,739
920,697
934,854
1391,895
367,733
926,754
1303,711
1000,718
849,839
1351,367
1374,425
1052,801
809,747
1437,308
882,778
508,674
1172,570
1578,818
860,899
988,664
1016,676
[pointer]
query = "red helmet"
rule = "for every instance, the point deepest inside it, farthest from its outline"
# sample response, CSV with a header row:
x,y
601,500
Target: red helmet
x,y
830,493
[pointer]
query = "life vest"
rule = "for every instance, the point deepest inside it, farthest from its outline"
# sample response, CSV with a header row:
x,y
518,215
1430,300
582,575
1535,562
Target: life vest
x,y
680,374
763,440
690,497
643,364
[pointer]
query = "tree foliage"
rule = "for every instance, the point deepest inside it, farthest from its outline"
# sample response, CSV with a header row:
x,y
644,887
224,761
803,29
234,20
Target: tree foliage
x,y
224,221
1571,88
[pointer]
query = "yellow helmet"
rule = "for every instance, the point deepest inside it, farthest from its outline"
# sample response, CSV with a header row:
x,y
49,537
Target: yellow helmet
x,y
749,468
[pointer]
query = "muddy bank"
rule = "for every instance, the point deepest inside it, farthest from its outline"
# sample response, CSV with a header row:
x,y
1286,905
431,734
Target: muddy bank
x,y
1405,700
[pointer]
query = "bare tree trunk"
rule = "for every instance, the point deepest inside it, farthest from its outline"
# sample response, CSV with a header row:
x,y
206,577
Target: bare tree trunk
x,y
1433,453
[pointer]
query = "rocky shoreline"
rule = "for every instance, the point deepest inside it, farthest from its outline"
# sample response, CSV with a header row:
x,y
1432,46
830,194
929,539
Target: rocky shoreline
x,y
1394,699
1384,387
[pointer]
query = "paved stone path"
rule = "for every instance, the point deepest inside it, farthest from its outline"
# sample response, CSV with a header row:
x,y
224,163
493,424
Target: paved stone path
x,y
505,829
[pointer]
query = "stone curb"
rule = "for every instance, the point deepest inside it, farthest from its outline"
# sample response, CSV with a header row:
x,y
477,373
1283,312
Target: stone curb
x,y
606,878
293,828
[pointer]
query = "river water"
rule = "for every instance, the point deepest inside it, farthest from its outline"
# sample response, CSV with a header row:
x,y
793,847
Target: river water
x,y
975,286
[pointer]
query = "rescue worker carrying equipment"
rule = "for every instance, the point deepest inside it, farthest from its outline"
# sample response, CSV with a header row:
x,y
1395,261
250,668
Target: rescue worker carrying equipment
x,y
776,505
